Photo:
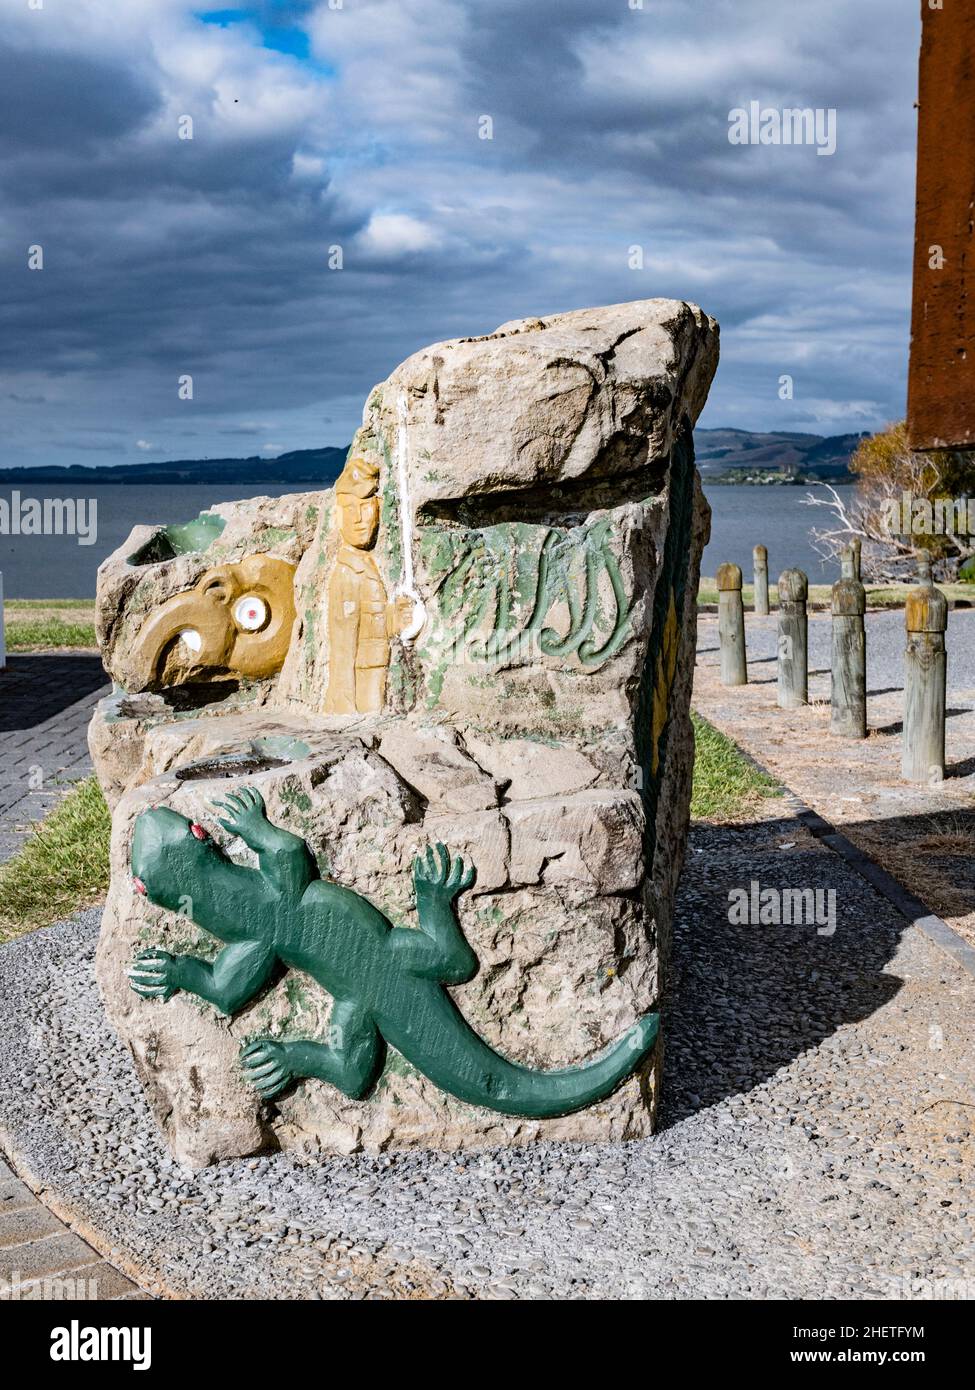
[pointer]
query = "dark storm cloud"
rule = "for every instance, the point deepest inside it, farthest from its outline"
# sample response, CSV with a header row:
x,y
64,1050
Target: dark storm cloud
x,y
210,256
67,102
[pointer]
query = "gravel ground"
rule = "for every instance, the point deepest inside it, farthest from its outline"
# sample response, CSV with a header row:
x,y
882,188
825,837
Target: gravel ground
x,y
817,1140
886,639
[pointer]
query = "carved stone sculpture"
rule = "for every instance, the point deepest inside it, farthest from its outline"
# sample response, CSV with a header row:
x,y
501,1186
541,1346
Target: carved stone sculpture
x,y
493,650
237,619
361,619
387,982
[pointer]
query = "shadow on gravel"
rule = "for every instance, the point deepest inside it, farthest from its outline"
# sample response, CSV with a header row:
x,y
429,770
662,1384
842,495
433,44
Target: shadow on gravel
x,y
745,1001
37,685
897,727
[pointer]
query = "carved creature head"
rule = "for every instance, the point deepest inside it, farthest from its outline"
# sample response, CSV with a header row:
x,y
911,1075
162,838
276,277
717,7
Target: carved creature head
x,y
168,853
236,620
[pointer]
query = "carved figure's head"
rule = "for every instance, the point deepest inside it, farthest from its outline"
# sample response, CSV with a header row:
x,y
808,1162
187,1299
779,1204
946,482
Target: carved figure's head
x,y
236,620
169,854
358,505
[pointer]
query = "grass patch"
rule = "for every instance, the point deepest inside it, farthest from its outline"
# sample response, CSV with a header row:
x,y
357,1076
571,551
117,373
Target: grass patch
x,y
40,624
820,595
726,785
62,867
20,605
41,633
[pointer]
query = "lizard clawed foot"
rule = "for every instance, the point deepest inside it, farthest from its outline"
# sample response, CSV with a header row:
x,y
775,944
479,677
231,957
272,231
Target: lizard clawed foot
x,y
265,1066
244,808
434,872
154,974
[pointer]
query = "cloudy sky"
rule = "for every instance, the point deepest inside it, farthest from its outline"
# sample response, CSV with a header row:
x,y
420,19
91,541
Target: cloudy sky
x,y
359,124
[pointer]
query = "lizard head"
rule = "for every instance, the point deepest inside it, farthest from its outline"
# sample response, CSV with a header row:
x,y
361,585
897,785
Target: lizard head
x,y
169,853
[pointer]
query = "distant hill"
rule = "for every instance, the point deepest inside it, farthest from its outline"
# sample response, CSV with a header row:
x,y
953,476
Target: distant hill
x,y
794,456
319,467
719,452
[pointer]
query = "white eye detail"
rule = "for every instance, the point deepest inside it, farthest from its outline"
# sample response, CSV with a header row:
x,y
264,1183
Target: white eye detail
x,y
250,613
191,639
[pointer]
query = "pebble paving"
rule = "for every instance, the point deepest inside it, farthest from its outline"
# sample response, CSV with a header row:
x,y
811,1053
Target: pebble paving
x,y
817,1139
46,700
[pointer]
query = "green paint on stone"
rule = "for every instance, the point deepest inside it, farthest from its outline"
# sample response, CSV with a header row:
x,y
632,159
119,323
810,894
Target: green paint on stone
x,y
387,983
170,541
270,535
502,589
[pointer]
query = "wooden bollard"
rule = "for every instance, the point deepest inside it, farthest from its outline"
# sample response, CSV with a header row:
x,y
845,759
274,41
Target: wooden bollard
x,y
856,545
848,698
731,626
793,640
925,680
760,570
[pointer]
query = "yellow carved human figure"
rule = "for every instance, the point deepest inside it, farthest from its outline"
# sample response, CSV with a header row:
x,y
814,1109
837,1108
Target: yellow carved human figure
x,y
361,619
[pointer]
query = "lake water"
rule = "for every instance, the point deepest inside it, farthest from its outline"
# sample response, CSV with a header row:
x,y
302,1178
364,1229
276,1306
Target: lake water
x,y
743,516
58,567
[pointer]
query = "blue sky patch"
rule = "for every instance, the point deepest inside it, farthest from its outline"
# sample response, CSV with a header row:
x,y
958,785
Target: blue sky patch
x,y
278,36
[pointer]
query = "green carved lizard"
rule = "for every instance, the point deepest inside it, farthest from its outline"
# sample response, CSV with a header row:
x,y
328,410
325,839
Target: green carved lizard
x,y
387,982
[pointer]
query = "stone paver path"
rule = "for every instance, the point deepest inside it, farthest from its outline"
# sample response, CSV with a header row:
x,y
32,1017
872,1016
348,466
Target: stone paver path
x,y
40,1258
923,835
46,700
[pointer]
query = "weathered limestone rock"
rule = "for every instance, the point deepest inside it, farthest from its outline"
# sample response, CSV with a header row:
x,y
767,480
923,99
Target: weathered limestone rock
x,y
121,724
496,606
246,547
431,761
522,766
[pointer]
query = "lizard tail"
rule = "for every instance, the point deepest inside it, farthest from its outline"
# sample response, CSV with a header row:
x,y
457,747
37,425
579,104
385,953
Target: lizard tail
x,y
516,1090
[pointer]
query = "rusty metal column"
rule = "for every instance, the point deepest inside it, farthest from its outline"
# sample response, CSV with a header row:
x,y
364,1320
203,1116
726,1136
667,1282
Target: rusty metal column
x,y
941,387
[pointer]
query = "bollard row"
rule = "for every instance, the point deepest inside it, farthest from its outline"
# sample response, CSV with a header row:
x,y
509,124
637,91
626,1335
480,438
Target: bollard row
x,y
760,570
793,640
926,662
731,626
925,680
848,697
